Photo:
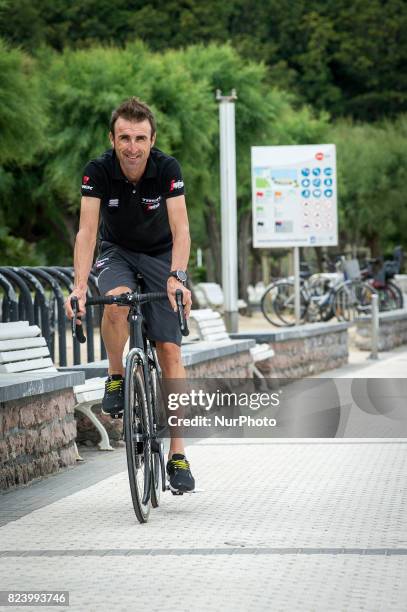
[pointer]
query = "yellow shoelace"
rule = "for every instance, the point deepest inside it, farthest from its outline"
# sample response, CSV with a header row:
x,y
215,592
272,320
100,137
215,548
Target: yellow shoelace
x,y
182,464
113,385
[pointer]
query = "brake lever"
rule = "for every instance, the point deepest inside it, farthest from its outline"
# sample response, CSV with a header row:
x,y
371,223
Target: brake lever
x,y
77,330
181,314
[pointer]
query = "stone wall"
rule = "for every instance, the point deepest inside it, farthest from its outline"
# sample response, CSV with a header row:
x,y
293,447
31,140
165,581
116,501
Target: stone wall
x,y
306,356
303,351
392,331
37,436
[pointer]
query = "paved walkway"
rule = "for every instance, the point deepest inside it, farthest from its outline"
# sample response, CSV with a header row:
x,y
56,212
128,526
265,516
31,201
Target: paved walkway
x,y
295,524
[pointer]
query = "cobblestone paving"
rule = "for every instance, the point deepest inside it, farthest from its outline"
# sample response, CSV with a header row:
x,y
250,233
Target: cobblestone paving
x,y
294,525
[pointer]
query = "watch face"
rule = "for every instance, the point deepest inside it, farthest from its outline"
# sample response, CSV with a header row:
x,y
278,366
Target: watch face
x,y
181,275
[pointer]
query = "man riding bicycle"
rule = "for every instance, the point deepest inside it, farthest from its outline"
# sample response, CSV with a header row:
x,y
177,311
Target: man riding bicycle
x,y
139,192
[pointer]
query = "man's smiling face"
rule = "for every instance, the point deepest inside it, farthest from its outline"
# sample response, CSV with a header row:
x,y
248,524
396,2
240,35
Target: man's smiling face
x,y
132,142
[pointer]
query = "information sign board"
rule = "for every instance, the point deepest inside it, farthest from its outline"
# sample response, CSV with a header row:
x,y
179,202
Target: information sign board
x,y
294,195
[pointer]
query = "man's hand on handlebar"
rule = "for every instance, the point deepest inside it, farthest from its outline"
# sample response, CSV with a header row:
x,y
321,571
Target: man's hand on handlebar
x,y
172,286
81,295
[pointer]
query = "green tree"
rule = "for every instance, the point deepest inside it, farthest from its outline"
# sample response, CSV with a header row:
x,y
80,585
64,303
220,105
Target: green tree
x,y
22,125
372,184
345,56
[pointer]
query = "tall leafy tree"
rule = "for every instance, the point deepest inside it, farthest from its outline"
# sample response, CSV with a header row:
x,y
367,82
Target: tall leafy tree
x,y
372,179
345,56
22,127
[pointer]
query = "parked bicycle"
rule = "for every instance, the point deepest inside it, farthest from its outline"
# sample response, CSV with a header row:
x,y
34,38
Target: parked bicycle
x,y
380,276
345,296
143,399
321,298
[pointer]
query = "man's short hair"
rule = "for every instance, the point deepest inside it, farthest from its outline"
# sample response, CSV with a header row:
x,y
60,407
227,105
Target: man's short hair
x,y
133,109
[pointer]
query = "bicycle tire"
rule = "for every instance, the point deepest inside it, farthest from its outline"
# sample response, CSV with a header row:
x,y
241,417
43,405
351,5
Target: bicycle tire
x,y
278,305
400,296
137,427
352,298
156,408
394,296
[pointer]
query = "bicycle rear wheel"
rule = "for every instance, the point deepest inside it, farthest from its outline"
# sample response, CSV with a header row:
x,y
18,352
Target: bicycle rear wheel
x,y
352,299
137,434
391,297
278,304
399,298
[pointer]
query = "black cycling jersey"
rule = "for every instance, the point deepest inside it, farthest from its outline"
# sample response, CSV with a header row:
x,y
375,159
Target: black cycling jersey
x,y
134,215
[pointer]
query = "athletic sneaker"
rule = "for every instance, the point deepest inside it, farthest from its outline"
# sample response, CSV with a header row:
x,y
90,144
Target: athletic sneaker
x,y
113,400
179,474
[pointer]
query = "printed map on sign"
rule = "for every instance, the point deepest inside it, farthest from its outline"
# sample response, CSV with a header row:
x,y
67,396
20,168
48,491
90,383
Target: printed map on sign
x,y
294,196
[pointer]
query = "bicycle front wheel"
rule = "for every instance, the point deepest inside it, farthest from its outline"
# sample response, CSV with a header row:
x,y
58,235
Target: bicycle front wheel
x,y
137,434
158,414
278,304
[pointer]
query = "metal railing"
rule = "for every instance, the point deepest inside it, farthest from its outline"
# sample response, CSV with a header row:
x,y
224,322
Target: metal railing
x,y
37,294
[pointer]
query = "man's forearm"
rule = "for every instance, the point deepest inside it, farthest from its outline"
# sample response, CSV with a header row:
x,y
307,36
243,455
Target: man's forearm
x,y
180,250
83,258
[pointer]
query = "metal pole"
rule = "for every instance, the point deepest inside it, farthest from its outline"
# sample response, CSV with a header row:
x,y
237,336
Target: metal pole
x,y
297,285
375,327
228,207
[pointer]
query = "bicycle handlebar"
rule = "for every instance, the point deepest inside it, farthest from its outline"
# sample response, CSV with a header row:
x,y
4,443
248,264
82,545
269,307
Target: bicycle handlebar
x,y
127,299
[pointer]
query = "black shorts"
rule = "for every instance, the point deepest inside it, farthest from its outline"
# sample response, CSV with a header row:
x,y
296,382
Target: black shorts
x,y
118,267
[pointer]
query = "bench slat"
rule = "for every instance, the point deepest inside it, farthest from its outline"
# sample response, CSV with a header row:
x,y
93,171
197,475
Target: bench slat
x,y
205,314
19,332
26,366
212,326
11,356
90,396
91,384
11,324
216,337
12,345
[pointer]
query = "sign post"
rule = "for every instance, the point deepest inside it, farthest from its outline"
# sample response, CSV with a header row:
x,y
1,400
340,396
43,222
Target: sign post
x,y
297,285
228,207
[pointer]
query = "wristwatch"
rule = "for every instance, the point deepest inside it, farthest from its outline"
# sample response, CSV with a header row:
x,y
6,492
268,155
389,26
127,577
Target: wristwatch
x,y
180,275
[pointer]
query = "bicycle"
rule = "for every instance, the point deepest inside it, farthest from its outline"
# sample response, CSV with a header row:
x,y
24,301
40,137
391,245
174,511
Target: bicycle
x,y
320,298
143,398
379,275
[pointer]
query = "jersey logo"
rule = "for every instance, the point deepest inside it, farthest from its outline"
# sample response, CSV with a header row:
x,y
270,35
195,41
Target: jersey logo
x,y
85,180
176,184
113,203
151,203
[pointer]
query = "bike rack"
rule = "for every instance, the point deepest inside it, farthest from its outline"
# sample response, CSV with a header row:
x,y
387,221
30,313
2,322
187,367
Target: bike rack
x,y
25,305
10,304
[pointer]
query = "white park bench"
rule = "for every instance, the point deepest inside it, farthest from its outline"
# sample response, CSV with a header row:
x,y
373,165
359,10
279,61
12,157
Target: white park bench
x,y
23,349
211,328
211,294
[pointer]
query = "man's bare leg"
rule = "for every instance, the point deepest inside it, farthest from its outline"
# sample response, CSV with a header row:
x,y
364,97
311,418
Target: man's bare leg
x,y
169,357
115,332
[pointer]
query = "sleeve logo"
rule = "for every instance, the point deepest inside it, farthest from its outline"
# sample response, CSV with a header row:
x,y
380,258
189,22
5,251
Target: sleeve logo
x,y
86,180
176,184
